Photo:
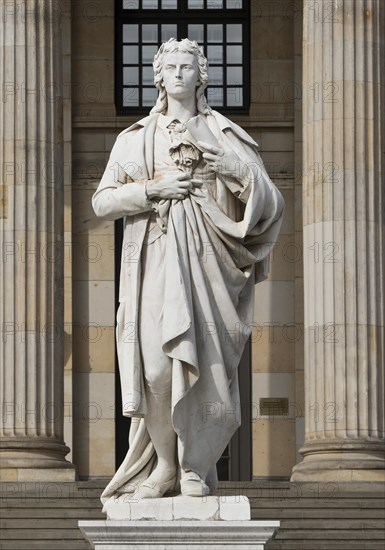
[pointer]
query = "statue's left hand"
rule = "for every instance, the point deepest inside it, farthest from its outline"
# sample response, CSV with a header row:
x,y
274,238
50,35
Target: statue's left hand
x,y
222,160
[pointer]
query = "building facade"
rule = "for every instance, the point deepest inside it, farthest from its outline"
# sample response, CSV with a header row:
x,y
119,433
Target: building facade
x,y
315,105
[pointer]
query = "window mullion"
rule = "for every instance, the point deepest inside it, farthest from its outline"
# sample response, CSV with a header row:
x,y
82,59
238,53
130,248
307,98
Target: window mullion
x,y
182,5
225,65
182,30
140,60
180,18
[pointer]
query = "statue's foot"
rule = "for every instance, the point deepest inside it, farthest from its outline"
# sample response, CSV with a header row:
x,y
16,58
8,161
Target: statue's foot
x,y
192,485
153,488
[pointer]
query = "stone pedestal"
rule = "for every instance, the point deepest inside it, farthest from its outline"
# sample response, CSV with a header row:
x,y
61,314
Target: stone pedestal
x,y
178,535
31,270
179,508
343,197
178,523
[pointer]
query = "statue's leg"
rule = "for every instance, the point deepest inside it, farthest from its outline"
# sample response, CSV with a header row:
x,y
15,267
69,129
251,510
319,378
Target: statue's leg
x,y
191,484
157,370
159,425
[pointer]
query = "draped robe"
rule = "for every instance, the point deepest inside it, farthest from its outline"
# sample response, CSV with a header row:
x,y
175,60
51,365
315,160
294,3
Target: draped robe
x,y
216,250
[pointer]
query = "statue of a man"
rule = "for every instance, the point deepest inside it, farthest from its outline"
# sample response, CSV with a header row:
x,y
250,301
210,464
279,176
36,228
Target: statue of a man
x,y
200,218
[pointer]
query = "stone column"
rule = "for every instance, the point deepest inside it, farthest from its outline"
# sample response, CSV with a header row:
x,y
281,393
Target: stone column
x,y
31,170
343,207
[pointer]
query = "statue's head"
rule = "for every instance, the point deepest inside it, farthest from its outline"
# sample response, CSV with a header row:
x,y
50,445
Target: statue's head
x,y
188,47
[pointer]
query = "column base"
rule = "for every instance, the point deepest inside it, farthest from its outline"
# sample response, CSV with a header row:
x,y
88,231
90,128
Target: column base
x,y
34,459
38,474
336,460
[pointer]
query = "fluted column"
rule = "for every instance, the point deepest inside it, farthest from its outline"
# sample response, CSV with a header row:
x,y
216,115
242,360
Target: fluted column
x,y
31,162
343,197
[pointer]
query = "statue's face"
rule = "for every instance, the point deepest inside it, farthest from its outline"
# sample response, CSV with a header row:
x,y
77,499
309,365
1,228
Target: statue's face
x,y
180,74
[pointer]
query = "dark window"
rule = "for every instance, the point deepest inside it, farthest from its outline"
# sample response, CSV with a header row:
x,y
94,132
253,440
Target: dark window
x,y
220,26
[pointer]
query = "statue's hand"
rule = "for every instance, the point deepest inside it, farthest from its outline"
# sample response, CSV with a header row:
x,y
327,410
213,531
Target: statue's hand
x,y
172,187
222,160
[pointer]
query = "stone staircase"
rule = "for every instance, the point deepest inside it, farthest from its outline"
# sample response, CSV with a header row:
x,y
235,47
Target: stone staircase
x,y
44,516
329,516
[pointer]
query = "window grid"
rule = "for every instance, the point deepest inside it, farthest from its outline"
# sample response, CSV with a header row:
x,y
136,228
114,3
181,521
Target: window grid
x,y
134,5
231,95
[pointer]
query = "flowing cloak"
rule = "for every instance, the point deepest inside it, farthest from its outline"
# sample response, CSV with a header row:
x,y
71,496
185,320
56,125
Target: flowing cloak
x,y
216,250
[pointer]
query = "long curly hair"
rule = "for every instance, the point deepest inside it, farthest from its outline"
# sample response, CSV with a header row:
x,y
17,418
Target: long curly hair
x,y
186,46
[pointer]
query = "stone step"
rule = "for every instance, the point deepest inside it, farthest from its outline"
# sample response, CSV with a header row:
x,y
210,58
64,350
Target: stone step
x,y
299,506
6,497
288,513
44,503
6,501
313,516
51,513
304,490
286,491
43,523
41,534
319,503
330,534
323,545
301,510
255,489
329,524
49,493
57,519
36,544
268,505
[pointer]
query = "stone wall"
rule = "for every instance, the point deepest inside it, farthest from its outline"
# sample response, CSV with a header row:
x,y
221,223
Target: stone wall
x,y
274,122
94,132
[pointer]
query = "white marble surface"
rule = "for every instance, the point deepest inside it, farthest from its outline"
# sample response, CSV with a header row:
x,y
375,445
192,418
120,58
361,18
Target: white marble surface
x,y
174,176
178,535
227,508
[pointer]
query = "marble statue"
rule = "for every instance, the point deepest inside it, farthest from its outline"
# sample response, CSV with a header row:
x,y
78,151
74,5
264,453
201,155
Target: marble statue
x,y
200,218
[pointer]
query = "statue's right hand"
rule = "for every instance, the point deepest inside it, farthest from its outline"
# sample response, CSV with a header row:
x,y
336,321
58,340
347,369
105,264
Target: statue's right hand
x,y
171,187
